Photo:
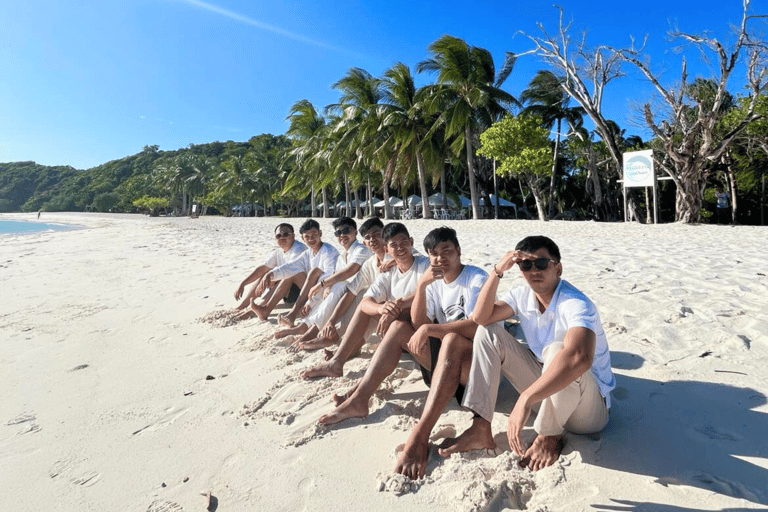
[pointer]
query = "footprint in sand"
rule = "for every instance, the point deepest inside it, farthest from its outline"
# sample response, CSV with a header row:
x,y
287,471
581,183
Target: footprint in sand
x,y
164,506
170,416
63,468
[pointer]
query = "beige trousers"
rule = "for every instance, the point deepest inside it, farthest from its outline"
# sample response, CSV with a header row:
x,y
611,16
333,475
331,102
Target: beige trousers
x,y
578,408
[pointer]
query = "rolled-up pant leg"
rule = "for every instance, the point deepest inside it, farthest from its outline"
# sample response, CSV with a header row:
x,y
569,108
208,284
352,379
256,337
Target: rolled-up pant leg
x,y
578,408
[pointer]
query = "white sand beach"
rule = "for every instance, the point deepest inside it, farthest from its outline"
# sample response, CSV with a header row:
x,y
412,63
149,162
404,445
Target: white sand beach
x,y
121,391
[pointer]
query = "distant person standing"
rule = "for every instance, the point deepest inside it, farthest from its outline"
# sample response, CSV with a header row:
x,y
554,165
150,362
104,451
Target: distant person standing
x,y
38,214
723,205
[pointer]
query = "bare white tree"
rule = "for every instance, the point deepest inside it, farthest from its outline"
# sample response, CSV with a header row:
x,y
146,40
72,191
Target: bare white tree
x,y
686,122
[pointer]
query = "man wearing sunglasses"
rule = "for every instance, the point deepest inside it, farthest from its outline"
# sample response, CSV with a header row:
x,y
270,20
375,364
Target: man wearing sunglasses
x,y
288,249
313,265
325,294
563,366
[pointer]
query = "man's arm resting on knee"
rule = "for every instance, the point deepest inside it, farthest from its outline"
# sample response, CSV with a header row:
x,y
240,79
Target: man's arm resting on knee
x,y
571,361
337,277
255,275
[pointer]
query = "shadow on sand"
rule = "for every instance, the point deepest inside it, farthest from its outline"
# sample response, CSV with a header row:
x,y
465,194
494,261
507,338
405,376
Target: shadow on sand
x,y
683,432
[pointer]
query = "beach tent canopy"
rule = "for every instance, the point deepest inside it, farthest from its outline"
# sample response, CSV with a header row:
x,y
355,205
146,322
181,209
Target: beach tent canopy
x,y
412,200
319,206
502,202
374,199
436,199
392,202
465,201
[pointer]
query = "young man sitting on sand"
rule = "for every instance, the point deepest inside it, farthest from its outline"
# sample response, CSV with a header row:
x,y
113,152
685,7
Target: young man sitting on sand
x,y
387,301
564,363
288,249
314,264
324,295
323,320
442,344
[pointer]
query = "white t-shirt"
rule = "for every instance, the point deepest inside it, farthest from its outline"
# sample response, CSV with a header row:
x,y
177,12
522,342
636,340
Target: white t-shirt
x,y
449,302
361,281
278,257
568,308
324,259
357,253
394,284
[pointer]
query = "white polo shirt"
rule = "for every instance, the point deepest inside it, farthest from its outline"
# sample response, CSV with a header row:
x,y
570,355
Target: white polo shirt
x,y
568,308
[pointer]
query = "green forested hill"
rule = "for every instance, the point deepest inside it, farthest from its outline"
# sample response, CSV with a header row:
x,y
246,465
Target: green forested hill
x,y
27,186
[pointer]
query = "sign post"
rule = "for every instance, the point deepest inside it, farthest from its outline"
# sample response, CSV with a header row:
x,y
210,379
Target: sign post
x,y
638,172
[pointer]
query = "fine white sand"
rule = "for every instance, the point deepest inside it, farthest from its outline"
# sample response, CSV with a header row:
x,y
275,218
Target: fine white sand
x,y
122,391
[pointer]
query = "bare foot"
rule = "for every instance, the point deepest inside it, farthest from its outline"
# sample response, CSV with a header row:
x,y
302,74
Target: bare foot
x,y
314,344
244,315
477,437
412,461
329,369
544,452
260,311
349,409
290,331
340,399
285,319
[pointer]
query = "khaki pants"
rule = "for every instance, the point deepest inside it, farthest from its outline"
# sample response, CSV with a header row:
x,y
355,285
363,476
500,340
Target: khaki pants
x,y
578,408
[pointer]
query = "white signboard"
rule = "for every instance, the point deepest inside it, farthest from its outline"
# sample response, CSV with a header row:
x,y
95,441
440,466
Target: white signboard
x,y
638,169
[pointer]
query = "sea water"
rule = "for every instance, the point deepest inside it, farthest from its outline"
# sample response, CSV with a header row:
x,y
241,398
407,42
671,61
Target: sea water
x,y
22,227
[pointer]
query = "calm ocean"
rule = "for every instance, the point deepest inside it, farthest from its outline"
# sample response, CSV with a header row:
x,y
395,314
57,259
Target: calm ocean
x,y
21,227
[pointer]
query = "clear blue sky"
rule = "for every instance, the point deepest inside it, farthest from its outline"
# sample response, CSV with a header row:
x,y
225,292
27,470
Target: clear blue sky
x,y
88,81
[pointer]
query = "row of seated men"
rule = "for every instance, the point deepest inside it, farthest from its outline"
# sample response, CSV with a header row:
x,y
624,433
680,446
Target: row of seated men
x,y
448,316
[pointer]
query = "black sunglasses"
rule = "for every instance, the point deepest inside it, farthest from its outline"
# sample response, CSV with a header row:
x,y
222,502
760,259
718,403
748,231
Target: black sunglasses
x,y
541,264
283,235
342,231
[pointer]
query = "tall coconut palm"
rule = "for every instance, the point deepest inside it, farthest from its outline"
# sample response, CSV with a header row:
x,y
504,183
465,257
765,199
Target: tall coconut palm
x,y
467,95
357,127
307,129
405,114
546,99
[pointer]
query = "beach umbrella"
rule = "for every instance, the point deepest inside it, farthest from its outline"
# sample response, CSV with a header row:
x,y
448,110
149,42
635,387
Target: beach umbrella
x,y
465,201
374,199
392,202
414,199
436,199
502,202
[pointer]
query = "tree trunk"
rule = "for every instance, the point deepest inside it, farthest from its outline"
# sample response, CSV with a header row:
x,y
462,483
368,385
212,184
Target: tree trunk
x,y
554,172
733,189
312,203
370,197
357,203
423,185
443,187
648,213
385,193
325,204
537,196
476,213
347,199
688,199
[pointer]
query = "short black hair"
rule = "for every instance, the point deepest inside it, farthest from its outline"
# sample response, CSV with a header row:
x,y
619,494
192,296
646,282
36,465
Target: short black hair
x,y
393,229
441,234
373,222
344,221
534,243
309,224
283,225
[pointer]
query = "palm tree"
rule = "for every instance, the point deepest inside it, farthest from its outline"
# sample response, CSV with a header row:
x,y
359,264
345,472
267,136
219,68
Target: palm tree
x,y
356,130
546,99
405,114
467,95
237,178
307,129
